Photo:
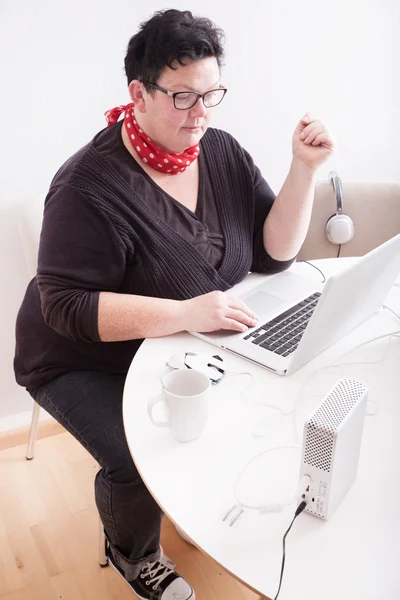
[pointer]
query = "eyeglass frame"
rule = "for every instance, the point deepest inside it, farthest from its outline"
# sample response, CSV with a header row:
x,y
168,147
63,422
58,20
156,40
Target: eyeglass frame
x,y
174,94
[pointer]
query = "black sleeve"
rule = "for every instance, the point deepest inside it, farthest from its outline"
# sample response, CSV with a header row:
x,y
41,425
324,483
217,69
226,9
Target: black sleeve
x,y
264,199
80,255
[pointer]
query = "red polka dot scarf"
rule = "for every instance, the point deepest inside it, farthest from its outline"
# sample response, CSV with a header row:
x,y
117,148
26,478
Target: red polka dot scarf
x,y
174,164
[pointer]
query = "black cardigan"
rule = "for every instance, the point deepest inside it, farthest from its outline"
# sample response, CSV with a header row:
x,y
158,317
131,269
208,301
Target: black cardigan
x,y
100,234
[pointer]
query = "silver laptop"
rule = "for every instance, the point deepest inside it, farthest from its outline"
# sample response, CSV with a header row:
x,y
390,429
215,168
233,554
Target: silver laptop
x,y
299,318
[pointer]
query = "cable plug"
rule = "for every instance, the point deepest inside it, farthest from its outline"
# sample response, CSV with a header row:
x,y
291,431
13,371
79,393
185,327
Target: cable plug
x,y
300,508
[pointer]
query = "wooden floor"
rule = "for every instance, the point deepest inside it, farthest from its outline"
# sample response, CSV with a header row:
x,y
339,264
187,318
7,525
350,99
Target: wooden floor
x,y
49,533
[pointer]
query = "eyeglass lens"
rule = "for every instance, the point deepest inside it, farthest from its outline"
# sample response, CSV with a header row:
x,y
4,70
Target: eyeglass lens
x,y
186,100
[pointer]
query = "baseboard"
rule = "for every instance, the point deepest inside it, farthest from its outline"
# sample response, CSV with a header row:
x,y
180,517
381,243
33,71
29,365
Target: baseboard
x,y
14,430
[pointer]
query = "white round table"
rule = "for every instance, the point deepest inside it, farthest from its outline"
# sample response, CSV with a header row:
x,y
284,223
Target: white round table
x,y
354,555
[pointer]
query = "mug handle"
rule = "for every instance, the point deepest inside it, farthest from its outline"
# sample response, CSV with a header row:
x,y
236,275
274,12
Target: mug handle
x,y
152,402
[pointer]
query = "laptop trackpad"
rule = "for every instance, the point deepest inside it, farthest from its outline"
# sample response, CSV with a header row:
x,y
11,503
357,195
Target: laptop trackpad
x,y
262,303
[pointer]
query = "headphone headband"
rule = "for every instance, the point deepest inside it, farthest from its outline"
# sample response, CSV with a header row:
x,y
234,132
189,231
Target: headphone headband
x,y
340,227
337,186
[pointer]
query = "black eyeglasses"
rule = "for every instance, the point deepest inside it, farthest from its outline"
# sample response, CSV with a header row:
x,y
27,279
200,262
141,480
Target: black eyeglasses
x,y
186,100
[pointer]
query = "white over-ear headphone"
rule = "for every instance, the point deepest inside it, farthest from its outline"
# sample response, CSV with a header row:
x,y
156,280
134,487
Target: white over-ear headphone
x,y
340,227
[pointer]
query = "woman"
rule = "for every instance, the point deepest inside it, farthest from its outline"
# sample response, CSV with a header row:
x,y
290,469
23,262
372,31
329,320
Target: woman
x,y
143,229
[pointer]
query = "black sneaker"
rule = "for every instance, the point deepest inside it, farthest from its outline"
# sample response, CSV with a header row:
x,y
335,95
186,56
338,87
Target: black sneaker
x,y
157,581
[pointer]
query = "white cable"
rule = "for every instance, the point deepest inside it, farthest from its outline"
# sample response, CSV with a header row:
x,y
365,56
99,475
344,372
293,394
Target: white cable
x,y
336,364
278,408
391,310
370,362
325,369
265,508
238,509
292,412
379,337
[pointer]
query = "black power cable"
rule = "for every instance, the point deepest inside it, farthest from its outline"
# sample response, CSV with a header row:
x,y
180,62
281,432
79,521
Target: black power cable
x,y
299,510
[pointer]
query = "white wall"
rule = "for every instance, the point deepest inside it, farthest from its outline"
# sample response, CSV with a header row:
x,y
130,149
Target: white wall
x,y
62,67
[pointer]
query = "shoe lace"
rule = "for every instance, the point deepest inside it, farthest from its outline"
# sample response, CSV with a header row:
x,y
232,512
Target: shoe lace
x,y
158,570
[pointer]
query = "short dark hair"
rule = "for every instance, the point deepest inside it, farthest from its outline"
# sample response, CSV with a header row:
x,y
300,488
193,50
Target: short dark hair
x,y
171,35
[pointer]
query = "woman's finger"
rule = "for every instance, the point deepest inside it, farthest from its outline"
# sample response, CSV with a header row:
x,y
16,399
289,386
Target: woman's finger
x,y
233,325
241,317
322,138
317,129
237,303
310,127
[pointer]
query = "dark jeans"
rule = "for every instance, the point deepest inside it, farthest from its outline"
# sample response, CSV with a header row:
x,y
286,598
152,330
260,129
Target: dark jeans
x,y
89,405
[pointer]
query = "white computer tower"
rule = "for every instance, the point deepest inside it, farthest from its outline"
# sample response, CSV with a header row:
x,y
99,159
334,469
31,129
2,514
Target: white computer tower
x,y
331,446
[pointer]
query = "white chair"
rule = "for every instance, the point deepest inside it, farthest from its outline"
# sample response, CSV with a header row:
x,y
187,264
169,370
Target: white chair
x,y
30,224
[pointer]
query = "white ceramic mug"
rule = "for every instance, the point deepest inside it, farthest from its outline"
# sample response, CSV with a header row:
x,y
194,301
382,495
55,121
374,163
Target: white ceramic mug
x,y
185,392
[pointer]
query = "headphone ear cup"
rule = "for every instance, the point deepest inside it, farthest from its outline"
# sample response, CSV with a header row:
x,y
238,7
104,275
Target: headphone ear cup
x,y
339,229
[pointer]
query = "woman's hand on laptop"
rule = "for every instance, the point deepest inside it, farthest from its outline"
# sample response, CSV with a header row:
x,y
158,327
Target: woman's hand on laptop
x,y
214,311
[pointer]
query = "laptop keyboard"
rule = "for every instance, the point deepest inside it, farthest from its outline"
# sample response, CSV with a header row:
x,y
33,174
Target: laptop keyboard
x,y
283,333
